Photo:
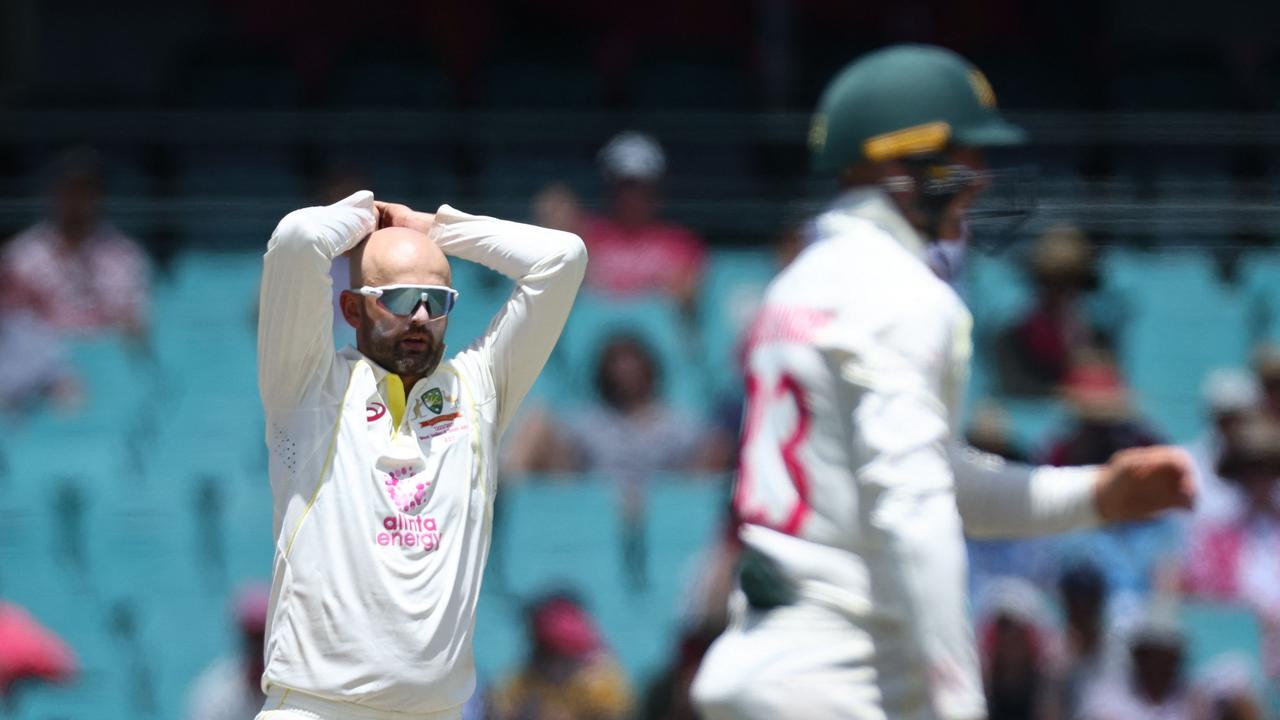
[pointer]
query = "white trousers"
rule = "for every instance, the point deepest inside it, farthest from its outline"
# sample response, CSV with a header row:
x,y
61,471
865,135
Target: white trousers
x,y
804,662
284,704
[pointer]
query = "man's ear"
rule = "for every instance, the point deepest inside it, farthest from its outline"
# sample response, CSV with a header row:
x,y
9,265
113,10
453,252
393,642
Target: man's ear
x,y
350,303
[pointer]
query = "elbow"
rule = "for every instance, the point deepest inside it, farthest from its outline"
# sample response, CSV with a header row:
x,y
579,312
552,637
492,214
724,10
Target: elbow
x,y
573,255
294,233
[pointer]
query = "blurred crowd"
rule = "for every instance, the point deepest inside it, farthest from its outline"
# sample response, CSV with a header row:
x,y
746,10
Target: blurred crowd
x,y
1091,626
70,275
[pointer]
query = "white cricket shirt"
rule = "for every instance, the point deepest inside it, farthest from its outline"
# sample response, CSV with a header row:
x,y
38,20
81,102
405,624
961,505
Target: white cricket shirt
x,y
852,478
382,531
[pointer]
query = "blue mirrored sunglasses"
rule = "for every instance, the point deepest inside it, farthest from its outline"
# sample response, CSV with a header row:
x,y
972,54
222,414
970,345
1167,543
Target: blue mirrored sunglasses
x,y
404,300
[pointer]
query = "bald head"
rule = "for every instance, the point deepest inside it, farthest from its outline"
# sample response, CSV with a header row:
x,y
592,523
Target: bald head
x,y
395,255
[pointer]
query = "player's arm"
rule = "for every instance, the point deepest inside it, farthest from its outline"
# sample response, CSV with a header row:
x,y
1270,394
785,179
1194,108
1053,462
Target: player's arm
x,y
547,267
295,314
1003,499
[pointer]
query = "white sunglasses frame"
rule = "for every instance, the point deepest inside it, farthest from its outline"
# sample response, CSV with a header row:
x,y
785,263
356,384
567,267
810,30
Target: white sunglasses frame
x,y
376,291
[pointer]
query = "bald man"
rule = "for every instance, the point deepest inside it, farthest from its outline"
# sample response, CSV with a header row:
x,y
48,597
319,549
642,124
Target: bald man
x,y
383,455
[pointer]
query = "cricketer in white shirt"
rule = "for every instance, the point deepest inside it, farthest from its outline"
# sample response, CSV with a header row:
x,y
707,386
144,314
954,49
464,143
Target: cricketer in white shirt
x,y
384,493
855,491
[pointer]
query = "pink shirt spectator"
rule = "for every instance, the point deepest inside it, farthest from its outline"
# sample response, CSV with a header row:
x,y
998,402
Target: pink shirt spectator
x,y
100,284
657,257
1237,562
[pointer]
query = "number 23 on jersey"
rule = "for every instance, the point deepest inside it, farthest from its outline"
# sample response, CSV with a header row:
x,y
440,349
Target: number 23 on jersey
x,y
773,483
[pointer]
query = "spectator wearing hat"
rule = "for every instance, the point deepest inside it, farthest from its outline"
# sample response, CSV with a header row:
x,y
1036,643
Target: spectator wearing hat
x,y
1105,420
1153,688
1018,643
231,688
632,249
1089,653
1230,395
570,674
1234,559
1038,351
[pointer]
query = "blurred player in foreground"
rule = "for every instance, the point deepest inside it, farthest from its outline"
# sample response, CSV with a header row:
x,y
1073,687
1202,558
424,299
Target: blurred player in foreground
x,y
383,456
853,490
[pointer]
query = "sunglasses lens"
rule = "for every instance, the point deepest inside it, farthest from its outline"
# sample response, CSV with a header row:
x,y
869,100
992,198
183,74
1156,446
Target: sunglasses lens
x,y
439,302
403,301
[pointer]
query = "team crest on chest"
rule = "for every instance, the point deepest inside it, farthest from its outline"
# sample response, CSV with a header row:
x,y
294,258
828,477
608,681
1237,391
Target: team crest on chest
x,y
433,399
438,416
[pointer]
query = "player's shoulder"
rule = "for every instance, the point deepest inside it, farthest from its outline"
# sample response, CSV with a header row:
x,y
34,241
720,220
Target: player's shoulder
x,y
858,259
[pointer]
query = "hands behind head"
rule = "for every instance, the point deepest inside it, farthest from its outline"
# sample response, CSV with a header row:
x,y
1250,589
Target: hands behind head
x,y
1140,482
396,215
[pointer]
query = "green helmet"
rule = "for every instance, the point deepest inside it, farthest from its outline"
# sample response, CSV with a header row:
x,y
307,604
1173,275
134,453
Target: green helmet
x,y
901,101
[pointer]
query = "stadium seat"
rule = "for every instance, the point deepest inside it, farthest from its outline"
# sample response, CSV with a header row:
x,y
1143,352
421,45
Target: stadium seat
x,y
1184,323
1260,278
566,535
732,289
1214,629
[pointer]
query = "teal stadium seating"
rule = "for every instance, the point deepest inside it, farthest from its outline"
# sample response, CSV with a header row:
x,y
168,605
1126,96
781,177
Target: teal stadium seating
x,y
1184,322
732,290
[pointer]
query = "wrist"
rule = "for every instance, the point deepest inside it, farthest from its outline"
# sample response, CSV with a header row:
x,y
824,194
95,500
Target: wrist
x,y
1102,504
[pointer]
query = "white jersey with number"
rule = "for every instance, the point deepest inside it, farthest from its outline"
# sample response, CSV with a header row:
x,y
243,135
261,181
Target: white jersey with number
x,y
852,481
382,528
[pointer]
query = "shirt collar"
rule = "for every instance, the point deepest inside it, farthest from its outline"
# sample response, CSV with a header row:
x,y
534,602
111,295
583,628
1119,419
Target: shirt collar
x,y
873,204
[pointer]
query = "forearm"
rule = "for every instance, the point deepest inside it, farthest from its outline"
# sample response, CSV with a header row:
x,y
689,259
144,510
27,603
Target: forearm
x,y
518,251
1002,499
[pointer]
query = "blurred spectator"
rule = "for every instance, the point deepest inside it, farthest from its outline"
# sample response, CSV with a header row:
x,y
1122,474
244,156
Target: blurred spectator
x,y
1089,654
1226,690
1266,365
1105,421
231,688
1229,396
1234,559
632,249
617,435
989,432
29,652
667,697
556,207
33,366
1016,643
569,675
74,270
631,435
1153,687
1038,351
